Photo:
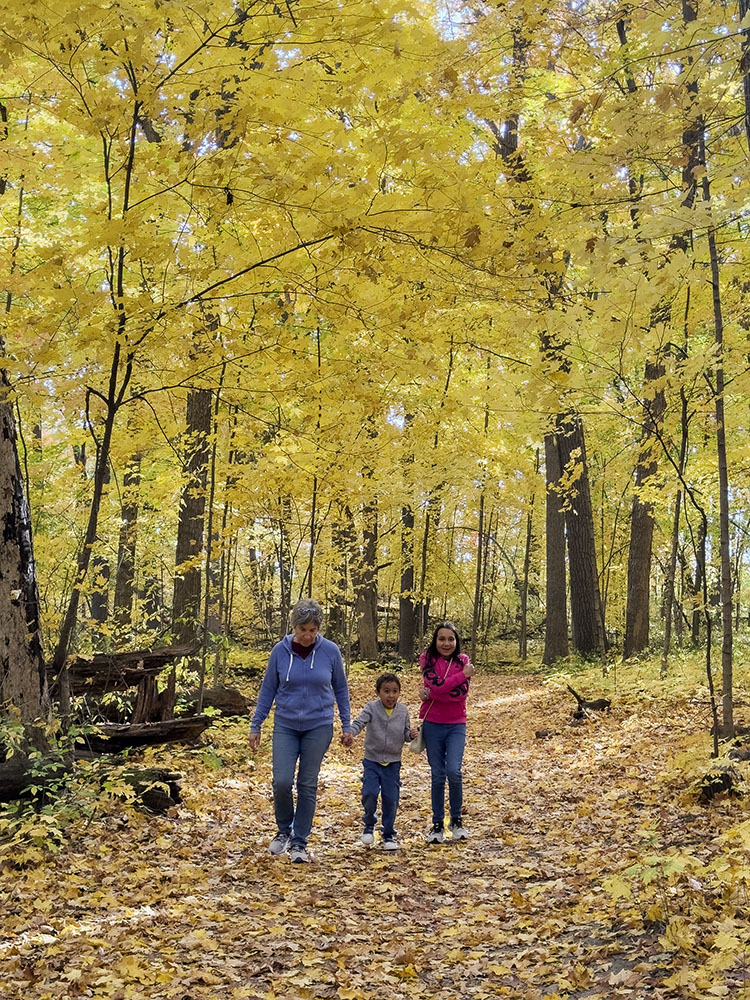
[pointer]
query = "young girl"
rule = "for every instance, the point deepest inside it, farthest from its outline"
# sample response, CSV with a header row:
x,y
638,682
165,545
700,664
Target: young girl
x,y
388,728
445,672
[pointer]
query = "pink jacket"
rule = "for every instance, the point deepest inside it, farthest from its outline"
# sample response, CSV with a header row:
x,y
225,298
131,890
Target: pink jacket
x,y
448,687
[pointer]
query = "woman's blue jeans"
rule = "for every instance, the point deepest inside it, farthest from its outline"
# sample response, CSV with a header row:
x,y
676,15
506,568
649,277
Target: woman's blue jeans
x,y
445,744
290,746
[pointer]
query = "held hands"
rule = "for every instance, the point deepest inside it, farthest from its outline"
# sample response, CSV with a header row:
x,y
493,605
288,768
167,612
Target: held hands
x,y
413,732
254,742
347,739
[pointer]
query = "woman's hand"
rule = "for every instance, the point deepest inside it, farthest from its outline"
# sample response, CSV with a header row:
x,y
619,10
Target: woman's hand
x,y
347,739
425,693
254,742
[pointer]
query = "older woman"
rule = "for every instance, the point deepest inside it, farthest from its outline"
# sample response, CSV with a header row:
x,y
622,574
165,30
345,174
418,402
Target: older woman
x,y
305,673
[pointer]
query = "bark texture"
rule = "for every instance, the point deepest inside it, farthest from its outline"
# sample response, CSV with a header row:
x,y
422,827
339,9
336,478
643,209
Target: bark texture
x,y
22,676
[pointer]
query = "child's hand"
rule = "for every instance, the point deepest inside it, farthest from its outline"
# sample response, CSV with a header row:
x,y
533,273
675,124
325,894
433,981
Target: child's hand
x,y
468,669
413,732
347,739
425,693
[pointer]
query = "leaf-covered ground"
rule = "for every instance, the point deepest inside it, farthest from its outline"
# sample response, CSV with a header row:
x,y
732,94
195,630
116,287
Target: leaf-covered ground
x,y
591,872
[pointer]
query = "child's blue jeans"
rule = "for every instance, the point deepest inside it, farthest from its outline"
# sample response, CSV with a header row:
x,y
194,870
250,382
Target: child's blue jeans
x,y
445,744
386,780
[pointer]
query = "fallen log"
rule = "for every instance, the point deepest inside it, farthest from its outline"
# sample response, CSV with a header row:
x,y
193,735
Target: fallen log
x,y
226,700
114,738
156,789
20,771
103,672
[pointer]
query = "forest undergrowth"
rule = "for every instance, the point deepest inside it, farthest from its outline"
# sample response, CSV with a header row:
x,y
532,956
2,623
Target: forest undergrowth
x,y
592,870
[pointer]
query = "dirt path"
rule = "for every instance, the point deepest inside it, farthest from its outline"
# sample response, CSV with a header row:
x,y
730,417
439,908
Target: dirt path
x,y
192,907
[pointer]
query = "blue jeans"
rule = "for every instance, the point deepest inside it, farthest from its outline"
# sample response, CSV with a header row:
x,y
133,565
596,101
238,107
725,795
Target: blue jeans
x,y
308,747
445,744
386,780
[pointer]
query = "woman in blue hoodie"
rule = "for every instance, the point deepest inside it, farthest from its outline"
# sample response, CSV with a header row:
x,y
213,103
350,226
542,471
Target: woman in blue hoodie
x,y
305,673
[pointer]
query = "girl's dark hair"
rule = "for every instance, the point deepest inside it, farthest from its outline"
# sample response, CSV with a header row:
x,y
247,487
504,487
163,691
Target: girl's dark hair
x,y
432,650
387,679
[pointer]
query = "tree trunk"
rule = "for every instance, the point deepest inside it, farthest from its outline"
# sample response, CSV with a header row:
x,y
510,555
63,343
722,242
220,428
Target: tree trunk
x,y
524,592
366,583
186,599
22,675
126,549
556,630
672,568
342,544
478,579
286,573
585,600
642,522
406,618
745,64
727,696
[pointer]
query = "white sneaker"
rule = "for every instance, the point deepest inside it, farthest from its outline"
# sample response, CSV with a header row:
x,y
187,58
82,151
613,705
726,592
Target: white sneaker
x,y
436,834
279,844
367,838
458,830
390,844
299,855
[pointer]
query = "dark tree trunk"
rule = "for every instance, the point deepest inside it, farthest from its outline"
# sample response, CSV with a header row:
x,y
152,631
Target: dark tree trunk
x,y
186,601
406,619
585,600
99,599
478,579
126,550
642,521
669,596
745,64
556,630
524,591
366,585
727,696
22,675
342,543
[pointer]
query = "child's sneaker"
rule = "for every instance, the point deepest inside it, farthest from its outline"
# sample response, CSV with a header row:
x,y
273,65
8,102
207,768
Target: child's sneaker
x,y
390,844
367,838
279,844
458,830
299,855
436,834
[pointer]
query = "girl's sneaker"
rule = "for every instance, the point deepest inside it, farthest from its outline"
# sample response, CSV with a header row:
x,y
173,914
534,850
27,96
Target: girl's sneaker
x,y
458,830
436,834
367,838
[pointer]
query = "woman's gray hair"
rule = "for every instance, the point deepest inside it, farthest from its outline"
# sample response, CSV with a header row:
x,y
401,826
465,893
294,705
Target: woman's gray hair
x,y
306,612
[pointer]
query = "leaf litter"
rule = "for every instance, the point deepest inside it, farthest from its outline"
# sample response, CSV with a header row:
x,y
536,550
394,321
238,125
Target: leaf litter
x,y
591,873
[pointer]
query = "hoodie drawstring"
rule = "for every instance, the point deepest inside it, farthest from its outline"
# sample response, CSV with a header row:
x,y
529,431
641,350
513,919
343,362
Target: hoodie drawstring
x,y
291,659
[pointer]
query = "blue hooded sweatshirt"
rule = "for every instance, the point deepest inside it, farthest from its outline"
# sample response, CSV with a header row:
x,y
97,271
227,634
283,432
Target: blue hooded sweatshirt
x,y
303,689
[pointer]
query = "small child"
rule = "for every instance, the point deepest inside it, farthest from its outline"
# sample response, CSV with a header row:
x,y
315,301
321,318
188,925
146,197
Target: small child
x,y
388,728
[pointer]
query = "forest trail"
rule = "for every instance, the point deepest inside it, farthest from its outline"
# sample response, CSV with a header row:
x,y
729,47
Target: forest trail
x,y
192,907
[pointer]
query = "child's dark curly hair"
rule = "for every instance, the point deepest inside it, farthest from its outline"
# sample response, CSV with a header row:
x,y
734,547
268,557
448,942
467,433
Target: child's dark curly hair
x,y
387,679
